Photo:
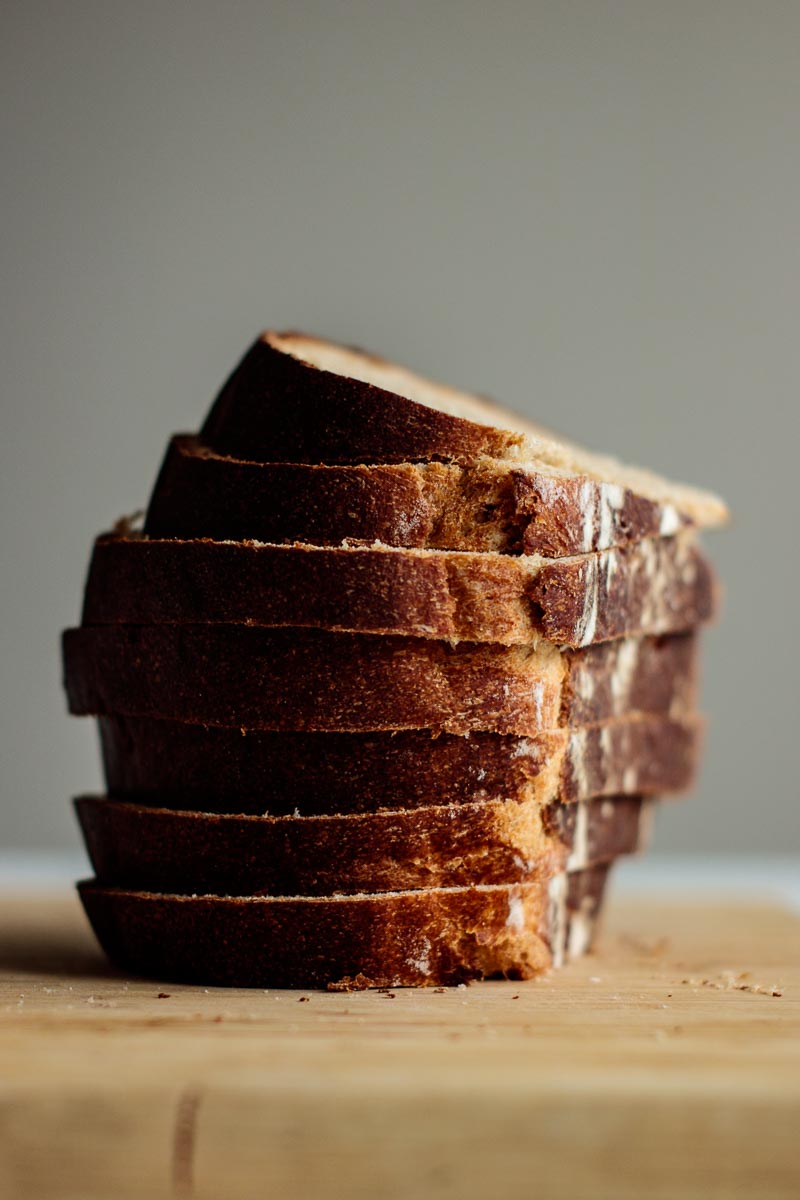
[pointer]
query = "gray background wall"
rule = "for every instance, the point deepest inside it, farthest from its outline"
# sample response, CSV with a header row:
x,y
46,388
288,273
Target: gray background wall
x,y
589,209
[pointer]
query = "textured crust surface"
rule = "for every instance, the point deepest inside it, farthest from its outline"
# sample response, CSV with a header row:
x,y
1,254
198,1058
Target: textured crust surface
x,y
399,939
281,408
489,505
295,398
162,850
245,677
658,586
256,772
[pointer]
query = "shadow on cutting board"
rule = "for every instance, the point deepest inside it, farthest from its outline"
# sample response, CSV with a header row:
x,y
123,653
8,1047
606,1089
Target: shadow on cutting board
x,y
48,939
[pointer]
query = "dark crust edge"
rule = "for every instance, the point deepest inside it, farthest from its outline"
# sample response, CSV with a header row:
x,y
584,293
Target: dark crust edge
x,y
247,677
422,938
277,408
494,842
656,587
209,769
485,506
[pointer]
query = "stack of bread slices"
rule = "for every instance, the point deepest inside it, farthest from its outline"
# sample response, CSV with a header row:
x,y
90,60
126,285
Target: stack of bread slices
x,y
386,683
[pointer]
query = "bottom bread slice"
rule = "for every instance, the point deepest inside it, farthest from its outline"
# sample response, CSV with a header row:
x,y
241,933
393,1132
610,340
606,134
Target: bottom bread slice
x,y
494,842
393,939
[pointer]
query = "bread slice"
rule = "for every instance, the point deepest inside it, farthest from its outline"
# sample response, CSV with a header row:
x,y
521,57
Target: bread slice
x,y
259,772
147,848
489,505
296,398
308,679
391,939
658,586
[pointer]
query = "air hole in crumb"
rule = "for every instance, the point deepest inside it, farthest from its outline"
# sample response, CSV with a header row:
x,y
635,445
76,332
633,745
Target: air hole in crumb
x,y
485,513
537,613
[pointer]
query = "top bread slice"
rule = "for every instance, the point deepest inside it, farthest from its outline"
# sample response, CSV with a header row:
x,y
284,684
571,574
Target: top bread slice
x,y
296,398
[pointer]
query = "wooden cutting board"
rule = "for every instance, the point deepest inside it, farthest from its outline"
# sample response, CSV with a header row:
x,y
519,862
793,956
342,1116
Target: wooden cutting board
x,y
665,1065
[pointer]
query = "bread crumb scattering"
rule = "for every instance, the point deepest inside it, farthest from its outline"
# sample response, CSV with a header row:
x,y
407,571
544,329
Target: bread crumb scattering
x,y
729,982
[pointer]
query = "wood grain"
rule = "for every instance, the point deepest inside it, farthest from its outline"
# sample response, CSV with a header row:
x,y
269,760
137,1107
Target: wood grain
x,y
665,1065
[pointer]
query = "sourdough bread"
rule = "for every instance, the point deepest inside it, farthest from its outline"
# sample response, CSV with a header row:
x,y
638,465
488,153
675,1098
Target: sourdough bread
x,y
308,679
296,398
397,939
488,505
160,849
657,586
257,772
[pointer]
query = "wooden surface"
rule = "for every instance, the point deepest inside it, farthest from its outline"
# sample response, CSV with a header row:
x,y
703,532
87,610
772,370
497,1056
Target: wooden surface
x,y
663,1066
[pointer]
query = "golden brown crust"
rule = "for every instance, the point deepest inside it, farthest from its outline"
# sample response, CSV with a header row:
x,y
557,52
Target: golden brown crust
x,y
211,769
295,398
655,587
146,848
487,506
400,939
240,676
279,408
